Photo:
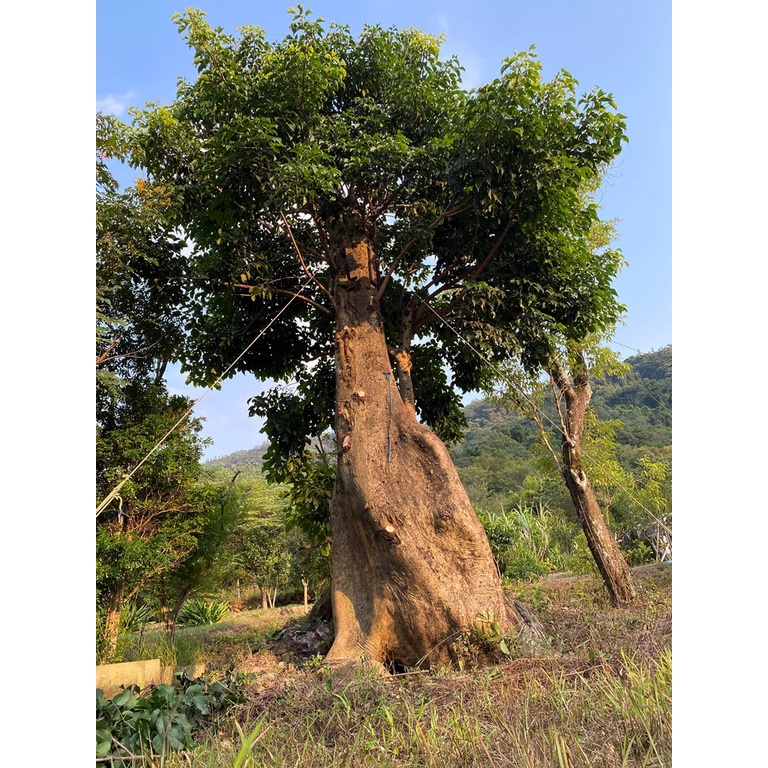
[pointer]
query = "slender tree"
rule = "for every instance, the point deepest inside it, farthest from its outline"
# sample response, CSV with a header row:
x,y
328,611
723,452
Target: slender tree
x,y
215,497
574,395
153,525
347,201
265,555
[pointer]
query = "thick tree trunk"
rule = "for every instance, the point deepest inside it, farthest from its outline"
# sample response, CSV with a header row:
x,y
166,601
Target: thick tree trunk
x,y
608,557
411,563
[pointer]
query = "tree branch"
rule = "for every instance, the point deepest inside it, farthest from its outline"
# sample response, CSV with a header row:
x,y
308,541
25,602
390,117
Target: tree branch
x,y
499,240
561,387
389,199
282,292
314,303
537,414
445,213
323,235
422,321
467,276
105,357
301,259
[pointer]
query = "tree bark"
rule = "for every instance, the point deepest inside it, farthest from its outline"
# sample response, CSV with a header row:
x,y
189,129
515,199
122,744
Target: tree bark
x,y
411,564
322,610
613,568
403,363
171,613
112,623
165,611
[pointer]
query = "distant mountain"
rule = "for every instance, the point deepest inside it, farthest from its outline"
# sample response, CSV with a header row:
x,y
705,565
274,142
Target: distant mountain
x,y
497,453
642,401
252,457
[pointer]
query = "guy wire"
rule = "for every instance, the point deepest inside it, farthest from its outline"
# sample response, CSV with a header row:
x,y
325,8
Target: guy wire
x,y
116,490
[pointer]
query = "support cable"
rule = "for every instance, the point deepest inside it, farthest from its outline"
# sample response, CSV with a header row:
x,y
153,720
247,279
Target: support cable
x,y
114,493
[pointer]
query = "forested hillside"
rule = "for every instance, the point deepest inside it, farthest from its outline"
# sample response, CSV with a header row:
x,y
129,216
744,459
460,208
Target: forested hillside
x,y
245,458
504,443
642,401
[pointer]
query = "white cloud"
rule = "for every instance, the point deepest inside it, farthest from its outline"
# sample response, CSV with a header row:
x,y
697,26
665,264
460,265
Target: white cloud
x,y
114,103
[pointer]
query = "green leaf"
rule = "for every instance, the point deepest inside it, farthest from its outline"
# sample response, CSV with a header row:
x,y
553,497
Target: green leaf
x,y
103,741
247,741
124,699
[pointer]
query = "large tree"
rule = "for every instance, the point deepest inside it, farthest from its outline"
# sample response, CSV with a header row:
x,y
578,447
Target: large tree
x,y
345,200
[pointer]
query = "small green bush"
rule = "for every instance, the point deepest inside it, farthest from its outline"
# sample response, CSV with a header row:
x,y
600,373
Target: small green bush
x,y
161,720
581,560
520,564
198,612
528,541
640,553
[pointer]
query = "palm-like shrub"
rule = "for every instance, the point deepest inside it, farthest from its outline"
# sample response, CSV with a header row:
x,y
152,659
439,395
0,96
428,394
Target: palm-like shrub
x,y
198,612
134,617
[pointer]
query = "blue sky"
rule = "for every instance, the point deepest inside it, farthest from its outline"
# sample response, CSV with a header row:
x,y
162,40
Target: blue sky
x,y
622,47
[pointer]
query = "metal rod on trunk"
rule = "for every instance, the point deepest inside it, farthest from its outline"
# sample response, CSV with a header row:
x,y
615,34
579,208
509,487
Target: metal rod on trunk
x,y
389,423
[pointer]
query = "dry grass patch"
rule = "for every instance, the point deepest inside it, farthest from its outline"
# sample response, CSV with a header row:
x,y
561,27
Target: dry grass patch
x,y
599,696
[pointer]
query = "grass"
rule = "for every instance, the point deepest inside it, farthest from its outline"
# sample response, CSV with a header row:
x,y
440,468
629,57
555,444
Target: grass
x,y
231,641
600,697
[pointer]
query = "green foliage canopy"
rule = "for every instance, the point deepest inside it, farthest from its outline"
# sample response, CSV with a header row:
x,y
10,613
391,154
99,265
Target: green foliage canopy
x,y
153,526
472,200
137,250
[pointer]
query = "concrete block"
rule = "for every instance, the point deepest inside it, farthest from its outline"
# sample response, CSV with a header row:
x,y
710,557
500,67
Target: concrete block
x,y
110,677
